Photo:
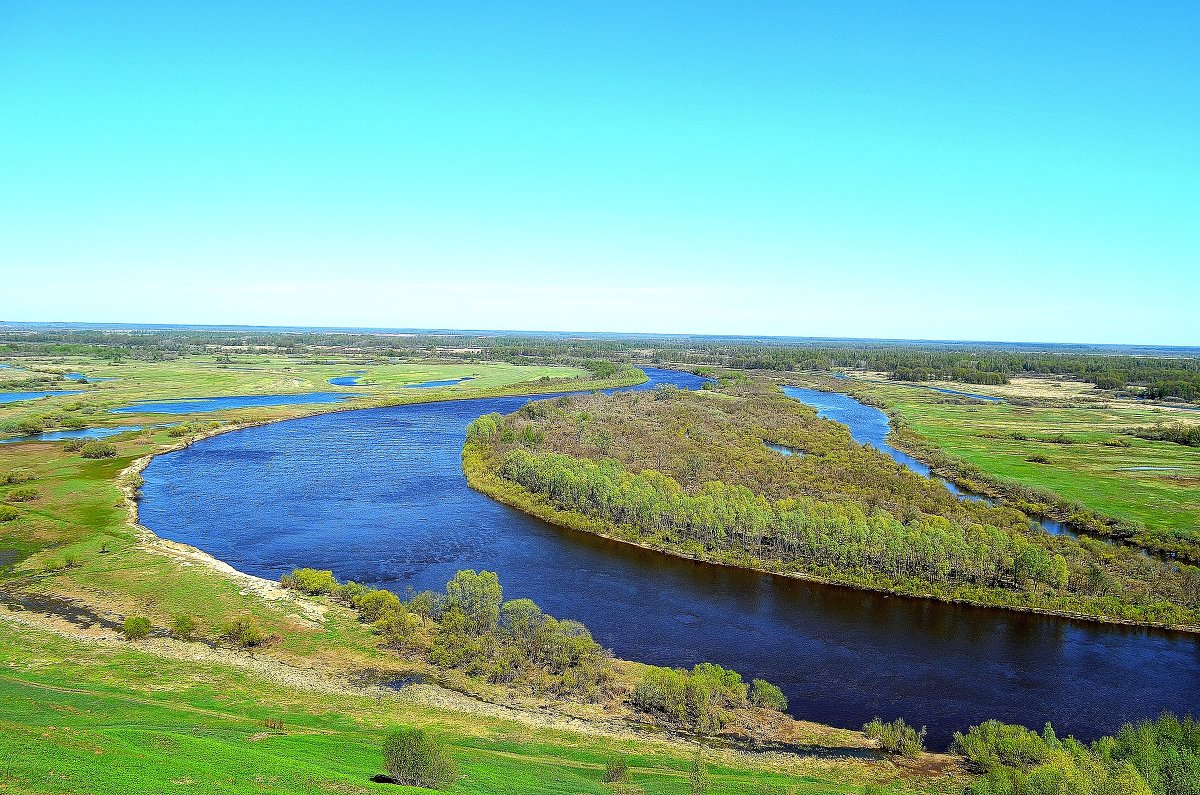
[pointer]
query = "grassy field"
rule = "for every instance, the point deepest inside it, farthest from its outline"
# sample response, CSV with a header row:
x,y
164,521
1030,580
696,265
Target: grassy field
x,y
1154,483
98,715
77,718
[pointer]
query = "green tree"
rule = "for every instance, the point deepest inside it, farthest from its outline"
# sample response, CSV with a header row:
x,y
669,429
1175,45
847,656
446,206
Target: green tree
x,y
479,596
415,758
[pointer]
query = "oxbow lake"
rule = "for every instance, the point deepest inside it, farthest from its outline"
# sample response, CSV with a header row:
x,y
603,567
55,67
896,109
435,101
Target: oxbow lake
x,y
378,496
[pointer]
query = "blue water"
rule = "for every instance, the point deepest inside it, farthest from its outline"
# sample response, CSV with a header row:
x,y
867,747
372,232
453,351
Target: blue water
x,y
782,449
199,405
82,377
378,496
81,433
13,397
348,380
432,384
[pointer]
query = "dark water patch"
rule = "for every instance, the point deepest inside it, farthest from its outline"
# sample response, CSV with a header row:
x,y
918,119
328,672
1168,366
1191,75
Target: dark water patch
x,y
200,405
80,433
378,496
13,397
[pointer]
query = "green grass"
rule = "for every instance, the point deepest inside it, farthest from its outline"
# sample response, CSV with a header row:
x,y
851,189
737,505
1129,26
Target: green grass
x,y
1088,472
117,720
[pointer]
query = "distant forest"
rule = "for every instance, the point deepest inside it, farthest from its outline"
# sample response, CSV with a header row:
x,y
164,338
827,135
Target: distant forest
x,y
1147,374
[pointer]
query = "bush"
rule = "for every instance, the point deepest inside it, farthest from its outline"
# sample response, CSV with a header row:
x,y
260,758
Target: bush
x,y
616,771
136,627
311,581
22,494
183,627
16,476
74,445
896,737
243,632
768,696
398,628
697,698
97,449
373,604
8,513
413,757
994,744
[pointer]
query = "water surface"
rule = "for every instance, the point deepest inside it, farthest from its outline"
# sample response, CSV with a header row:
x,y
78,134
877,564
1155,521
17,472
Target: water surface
x,y
378,496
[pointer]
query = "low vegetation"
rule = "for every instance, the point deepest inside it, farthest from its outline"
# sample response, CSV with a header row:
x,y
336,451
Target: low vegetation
x,y
1159,757
416,758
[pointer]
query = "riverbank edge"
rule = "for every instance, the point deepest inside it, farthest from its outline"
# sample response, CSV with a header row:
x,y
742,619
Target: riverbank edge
x,y
483,480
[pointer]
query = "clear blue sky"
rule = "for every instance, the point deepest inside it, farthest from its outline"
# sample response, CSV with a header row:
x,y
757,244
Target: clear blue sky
x,y
1005,170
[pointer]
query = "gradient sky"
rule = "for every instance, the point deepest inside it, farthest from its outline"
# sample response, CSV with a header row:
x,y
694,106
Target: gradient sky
x,y
1008,170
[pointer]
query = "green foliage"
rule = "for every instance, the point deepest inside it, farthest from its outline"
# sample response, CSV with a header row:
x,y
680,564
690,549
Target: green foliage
x,y
74,445
699,781
478,595
8,513
98,449
896,737
242,632
21,494
699,699
616,771
768,696
183,627
1160,757
16,476
311,581
373,604
1188,435
398,628
415,758
136,627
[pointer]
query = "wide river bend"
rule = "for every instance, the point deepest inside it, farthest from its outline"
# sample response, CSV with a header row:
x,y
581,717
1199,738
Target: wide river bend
x,y
378,496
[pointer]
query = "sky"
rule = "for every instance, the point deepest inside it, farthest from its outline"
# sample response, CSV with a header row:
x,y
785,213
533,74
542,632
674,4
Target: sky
x,y
1023,171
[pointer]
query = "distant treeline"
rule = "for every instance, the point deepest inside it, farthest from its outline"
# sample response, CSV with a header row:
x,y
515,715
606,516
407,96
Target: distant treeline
x,y
1155,376
1179,434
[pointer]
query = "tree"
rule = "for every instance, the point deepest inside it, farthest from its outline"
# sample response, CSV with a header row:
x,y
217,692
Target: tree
x,y
768,696
415,758
478,595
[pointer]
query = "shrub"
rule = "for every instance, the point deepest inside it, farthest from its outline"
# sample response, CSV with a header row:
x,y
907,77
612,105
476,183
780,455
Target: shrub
x,y
183,627
373,604
8,513
98,449
896,737
993,744
22,494
311,581
398,628
616,771
136,627
16,476
768,696
243,632
74,445
413,757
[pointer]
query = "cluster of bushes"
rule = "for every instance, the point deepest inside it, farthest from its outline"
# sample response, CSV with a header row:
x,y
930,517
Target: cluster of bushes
x,y
21,494
703,697
242,633
417,759
470,627
896,737
1179,434
1160,757
93,448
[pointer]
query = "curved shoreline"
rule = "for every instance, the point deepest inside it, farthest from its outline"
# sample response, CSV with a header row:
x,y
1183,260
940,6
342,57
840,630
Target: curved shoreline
x,y
537,507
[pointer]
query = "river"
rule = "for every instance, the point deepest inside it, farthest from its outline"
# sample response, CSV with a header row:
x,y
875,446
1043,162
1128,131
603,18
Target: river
x,y
378,496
